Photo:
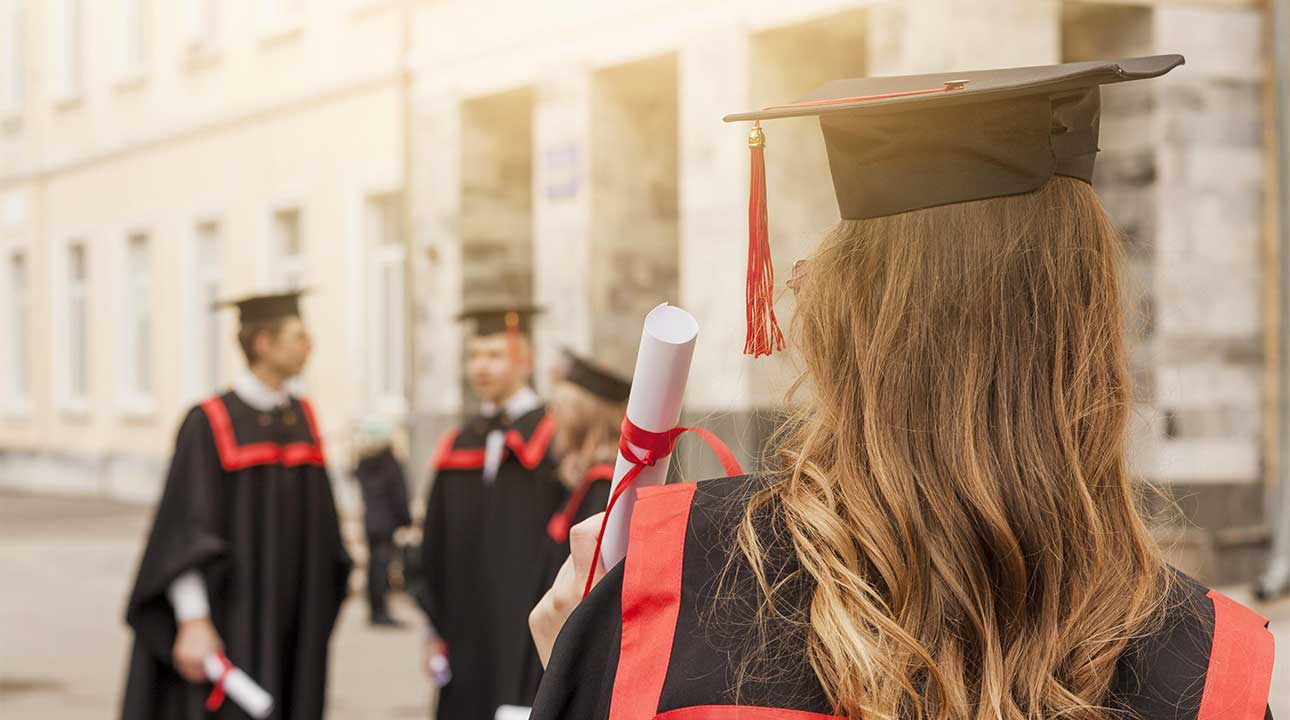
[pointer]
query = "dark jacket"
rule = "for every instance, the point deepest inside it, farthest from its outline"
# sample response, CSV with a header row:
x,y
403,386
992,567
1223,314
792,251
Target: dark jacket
x,y
385,493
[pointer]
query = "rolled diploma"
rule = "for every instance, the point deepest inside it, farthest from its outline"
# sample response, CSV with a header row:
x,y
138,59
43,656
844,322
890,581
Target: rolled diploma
x,y
658,389
241,689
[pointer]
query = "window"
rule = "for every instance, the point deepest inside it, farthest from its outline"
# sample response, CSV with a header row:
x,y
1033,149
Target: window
x,y
200,26
288,242
19,342
67,49
131,51
210,336
13,66
135,334
388,311
77,328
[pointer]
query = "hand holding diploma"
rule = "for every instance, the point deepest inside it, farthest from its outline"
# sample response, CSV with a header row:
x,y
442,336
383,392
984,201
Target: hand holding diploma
x,y
195,641
553,609
238,686
649,432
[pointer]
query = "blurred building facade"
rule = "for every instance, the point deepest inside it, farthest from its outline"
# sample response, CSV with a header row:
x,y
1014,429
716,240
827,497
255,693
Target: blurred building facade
x,y
572,153
156,156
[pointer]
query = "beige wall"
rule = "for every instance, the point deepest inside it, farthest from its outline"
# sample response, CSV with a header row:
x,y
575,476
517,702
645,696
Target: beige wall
x,y
1182,172
306,117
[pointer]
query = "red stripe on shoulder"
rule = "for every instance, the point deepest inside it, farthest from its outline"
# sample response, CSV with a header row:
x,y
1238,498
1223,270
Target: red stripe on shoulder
x,y
447,458
558,526
234,457
306,453
1239,677
651,598
531,452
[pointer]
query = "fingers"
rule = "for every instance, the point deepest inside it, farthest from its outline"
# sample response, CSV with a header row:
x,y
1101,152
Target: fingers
x,y
196,640
549,614
190,668
582,549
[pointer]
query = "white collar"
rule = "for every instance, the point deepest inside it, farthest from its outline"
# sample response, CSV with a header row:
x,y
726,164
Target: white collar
x,y
255,393
523,402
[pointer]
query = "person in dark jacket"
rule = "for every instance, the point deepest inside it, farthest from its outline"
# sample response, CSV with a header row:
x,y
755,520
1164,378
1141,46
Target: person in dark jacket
x,y
385,509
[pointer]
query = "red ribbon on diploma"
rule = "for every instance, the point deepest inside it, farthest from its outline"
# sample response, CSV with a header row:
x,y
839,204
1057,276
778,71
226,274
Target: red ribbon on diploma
x,y
655,447
216,699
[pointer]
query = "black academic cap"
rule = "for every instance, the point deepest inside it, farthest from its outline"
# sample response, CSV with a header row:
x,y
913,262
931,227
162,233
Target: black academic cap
x,y
264,308
897,144
494,319
595,379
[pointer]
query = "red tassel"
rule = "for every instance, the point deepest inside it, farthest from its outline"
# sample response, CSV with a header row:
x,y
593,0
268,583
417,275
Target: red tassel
x,y
763,334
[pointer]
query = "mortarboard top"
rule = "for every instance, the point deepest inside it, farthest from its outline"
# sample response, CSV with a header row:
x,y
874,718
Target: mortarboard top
x,y
265,308
494,319
897,144
597,380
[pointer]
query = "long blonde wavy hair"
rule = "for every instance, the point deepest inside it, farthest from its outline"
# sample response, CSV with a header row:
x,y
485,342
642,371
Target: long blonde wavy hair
x,y
956,490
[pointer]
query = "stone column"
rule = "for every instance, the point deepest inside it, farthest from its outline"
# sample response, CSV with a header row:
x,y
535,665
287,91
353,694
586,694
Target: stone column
x,y
1208,273
635,228
562,195
713,196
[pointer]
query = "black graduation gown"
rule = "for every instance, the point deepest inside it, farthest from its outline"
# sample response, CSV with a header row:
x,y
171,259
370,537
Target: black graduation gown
x,y
591,497
248,504
650,642
486,562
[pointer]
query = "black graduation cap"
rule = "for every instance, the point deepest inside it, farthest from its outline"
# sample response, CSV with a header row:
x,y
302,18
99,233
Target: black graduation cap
x,y
493,319
897,144
595,379
265,308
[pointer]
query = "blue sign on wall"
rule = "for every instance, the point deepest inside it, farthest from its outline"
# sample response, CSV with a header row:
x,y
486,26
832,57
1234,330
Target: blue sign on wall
x,y
561,171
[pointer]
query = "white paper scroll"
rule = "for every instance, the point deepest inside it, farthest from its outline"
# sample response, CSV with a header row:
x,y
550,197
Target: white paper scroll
x,y
658,389
512,712
241,689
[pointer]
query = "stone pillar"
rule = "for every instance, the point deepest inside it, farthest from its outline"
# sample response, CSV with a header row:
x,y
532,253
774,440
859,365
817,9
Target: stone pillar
x,y
784,65
496,218
713,194
635,228
1208,272
435,190
562,196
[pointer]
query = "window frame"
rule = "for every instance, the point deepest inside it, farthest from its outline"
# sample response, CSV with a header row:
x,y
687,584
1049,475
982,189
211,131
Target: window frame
x,y
136,389
18,326
68,65
73,401
202,316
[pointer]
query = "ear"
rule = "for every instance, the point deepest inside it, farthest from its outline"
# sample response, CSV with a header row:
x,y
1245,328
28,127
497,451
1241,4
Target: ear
x,y
262,342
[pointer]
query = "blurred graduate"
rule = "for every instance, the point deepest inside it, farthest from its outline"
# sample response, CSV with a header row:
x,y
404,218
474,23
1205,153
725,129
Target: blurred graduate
x,y
244,561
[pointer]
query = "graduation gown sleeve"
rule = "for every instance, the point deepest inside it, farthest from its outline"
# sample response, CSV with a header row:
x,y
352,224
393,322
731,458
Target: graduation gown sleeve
x,y
579,679
185,535
433,548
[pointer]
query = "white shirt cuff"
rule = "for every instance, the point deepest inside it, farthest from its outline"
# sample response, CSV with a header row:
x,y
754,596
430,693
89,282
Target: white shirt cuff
x,y
187,596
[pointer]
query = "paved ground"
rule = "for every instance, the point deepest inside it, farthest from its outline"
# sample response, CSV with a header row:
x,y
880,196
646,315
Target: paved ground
x,y
65,567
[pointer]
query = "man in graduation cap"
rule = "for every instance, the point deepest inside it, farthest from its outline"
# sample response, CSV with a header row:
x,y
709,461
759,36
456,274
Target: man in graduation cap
x,y
485,552
244,562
